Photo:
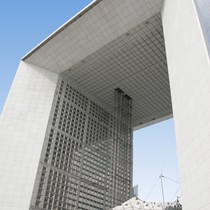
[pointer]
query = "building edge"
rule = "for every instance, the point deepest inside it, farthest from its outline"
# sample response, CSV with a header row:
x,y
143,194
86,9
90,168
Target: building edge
x,y
23,125
189,76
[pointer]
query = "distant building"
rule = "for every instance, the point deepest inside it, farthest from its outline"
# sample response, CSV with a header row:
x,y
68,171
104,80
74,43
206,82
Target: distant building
x,y
135,190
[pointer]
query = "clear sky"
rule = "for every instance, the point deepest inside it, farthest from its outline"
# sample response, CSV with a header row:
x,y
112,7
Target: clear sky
x,y
24,24
155,153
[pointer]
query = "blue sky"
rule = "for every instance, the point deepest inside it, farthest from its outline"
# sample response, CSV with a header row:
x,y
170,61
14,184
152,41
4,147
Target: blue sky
x,y
155,153
24,24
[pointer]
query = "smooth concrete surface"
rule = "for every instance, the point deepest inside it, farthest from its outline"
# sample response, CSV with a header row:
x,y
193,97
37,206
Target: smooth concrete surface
x,y
189,75
22,129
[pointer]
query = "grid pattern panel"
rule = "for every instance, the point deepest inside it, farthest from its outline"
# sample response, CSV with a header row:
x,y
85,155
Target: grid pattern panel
x,y
99,113
72,120
104,22
61,191
134,62
95,131
78,164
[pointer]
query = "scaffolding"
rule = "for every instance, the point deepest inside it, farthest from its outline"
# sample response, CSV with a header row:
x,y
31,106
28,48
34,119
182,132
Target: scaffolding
x,y
122,147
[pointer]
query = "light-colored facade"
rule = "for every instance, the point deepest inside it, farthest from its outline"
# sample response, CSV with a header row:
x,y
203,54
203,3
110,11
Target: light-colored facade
x,y
189,74
57,131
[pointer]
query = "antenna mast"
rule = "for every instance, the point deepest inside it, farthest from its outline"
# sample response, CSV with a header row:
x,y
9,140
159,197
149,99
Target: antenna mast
x,y
161,179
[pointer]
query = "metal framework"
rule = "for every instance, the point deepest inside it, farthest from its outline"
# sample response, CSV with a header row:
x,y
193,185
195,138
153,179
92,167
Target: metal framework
x,y
86,160
122,146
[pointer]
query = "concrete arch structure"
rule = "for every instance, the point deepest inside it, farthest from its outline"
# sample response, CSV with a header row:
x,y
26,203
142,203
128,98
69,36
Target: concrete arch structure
x,y
157,53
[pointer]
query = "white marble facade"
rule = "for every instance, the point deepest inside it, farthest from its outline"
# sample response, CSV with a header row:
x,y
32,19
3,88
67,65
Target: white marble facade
x,y
26,112
23,126
189,75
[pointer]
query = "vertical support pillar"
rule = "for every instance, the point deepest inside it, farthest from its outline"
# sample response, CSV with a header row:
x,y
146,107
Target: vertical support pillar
x,y
189,75
22,130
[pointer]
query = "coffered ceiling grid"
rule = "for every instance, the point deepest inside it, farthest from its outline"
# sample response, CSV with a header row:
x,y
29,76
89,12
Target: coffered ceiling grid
x,y
90,31
134,62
